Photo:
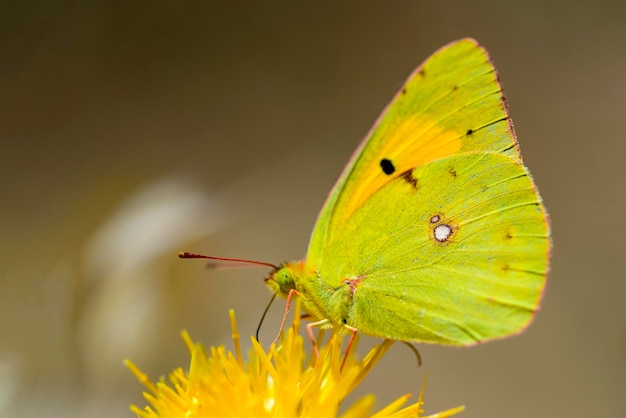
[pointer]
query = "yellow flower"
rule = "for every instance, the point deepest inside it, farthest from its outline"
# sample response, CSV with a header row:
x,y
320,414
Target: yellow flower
x,y
277,383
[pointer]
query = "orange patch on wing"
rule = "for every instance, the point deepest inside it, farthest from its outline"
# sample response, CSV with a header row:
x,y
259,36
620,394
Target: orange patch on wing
x,y
409,144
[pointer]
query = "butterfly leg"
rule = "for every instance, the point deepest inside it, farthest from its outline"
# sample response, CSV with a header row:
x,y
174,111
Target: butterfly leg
x,y
309,330
352,337
292,292
322,324
415,351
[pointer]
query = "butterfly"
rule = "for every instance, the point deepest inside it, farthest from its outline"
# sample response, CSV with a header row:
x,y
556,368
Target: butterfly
x,y
435,231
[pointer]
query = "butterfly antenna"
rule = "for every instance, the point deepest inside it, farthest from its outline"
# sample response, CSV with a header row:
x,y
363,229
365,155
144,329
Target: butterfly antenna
x,y
184,254
267,308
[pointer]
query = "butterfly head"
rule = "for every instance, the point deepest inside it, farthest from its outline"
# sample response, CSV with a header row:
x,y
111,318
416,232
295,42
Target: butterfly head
x,y
281,280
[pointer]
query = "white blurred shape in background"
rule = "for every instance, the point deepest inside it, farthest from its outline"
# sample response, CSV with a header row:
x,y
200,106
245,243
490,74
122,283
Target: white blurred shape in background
x,y
125,272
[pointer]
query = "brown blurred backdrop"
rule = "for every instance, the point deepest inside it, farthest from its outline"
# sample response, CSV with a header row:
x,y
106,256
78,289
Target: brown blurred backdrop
x,y
132,130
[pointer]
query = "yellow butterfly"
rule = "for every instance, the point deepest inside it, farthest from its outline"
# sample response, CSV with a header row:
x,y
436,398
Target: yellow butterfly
x,y
435,231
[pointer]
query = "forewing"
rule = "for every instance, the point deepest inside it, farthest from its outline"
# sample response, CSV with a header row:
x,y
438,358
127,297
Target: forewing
x,y
451,104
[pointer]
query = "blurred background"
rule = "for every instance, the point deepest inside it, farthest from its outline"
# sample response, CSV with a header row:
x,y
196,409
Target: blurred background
x,y
132,130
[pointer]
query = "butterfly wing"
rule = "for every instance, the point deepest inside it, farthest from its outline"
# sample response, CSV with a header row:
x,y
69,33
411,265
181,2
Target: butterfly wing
x,y
452,103
453,252
435,231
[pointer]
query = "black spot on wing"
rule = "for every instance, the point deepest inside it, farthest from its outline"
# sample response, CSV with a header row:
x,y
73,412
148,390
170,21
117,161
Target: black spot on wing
x,y
472,131
508,148
387,166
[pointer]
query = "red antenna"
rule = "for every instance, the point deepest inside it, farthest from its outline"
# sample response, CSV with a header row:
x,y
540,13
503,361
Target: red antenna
x,y
183,254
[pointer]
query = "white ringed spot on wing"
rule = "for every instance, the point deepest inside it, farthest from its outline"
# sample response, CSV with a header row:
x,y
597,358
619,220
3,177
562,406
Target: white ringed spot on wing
x,y
442,229
442,232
